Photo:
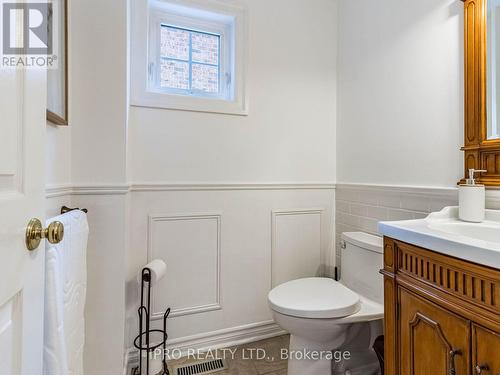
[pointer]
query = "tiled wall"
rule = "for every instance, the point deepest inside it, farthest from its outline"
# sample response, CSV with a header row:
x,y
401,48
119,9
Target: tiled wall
x,y
361,207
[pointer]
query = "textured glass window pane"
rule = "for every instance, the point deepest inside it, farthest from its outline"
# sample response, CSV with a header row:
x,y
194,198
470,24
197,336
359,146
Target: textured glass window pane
x,y
174,75
205,78
205,48
174,43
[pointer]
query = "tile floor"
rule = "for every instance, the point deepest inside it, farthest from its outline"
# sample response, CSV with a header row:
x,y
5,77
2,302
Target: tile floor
x,y
242,363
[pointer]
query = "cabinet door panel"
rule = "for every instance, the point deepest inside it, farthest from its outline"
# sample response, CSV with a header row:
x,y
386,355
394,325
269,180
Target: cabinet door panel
x,y
428,335
485,351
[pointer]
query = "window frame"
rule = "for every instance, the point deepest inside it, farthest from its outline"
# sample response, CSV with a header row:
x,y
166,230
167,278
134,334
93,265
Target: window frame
x,y
159,19
145,49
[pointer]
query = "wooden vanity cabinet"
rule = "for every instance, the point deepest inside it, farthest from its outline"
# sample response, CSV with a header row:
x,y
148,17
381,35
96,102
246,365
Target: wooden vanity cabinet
x,y
431,337
442,314
485,350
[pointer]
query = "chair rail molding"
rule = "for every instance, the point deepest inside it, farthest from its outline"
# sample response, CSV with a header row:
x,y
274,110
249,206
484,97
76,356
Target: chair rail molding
x,y
144,187
61,190
118,189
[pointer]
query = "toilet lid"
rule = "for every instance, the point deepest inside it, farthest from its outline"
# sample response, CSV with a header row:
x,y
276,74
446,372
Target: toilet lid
x,y
314,297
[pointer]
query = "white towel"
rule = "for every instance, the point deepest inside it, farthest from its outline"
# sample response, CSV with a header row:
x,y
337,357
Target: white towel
x,y
65,289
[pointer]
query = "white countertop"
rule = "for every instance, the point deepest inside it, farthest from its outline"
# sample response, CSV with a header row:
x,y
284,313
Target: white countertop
x,y
444,233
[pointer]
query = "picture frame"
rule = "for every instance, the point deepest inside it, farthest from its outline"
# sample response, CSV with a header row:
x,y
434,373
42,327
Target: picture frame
x,y
57,79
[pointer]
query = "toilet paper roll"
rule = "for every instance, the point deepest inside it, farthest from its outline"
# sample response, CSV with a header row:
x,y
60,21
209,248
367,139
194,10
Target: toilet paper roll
x,y
158,270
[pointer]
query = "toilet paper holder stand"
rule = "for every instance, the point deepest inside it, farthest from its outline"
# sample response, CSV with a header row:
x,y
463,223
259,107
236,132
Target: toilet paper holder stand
x,y
144,340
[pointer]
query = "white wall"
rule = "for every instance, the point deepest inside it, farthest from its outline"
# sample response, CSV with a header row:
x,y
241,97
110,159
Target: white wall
x,y
58,155
86,168
288,134
99,95
280,158
400,69
58,167
99,126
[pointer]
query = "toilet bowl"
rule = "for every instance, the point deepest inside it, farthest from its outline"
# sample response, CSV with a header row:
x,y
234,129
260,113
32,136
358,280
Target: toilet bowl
x,y
333,324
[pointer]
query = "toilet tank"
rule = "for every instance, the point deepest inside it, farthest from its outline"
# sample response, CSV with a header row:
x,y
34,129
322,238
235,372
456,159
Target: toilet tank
x,y
361,261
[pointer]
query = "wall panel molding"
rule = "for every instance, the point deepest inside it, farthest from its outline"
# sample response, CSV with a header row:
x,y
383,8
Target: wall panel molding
x,y
195,309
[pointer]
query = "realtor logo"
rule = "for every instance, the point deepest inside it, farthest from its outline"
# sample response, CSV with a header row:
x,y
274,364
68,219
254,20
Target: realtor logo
x,y
28,35
35,34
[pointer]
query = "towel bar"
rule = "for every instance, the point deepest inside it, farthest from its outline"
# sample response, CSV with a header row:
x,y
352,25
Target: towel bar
x,y
65,209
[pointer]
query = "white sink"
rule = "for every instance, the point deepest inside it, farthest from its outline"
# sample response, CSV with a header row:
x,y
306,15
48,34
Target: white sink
x,y
443,232
489,232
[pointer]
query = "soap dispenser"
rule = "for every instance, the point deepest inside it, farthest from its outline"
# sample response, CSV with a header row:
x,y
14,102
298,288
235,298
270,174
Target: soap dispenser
x,y
471,199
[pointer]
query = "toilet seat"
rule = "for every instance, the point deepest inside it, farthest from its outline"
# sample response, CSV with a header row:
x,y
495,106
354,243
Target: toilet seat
x,y
314,297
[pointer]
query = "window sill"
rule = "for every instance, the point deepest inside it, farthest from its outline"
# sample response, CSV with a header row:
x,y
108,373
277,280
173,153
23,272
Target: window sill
x,y
189,103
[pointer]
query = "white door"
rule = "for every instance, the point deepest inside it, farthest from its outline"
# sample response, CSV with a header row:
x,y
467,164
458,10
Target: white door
x,y
22,180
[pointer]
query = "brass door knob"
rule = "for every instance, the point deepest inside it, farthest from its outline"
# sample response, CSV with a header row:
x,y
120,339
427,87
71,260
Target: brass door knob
x,y
54,233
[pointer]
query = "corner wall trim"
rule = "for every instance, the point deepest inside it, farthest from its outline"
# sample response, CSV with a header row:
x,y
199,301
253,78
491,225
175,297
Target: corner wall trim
x,y
218,339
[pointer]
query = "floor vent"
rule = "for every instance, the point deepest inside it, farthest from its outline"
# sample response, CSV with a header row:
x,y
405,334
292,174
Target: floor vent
x,y
199,368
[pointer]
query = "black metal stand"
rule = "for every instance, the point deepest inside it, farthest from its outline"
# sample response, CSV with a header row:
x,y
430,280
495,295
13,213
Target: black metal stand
x,y
143,340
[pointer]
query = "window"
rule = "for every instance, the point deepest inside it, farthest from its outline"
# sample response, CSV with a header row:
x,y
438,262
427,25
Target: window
x,y
194,56
189,61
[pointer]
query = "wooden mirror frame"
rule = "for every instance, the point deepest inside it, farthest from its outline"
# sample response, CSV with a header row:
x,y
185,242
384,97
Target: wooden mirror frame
x,y
480,152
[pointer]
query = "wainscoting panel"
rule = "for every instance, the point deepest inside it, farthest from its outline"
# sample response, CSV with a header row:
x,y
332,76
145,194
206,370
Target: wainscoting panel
x,y
218,242
190,246
296,244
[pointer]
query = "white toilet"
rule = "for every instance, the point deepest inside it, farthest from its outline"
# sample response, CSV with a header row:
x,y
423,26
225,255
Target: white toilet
x,y
323,315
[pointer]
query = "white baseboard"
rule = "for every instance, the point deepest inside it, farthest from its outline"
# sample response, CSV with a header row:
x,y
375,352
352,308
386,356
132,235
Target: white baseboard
x,y
217,339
